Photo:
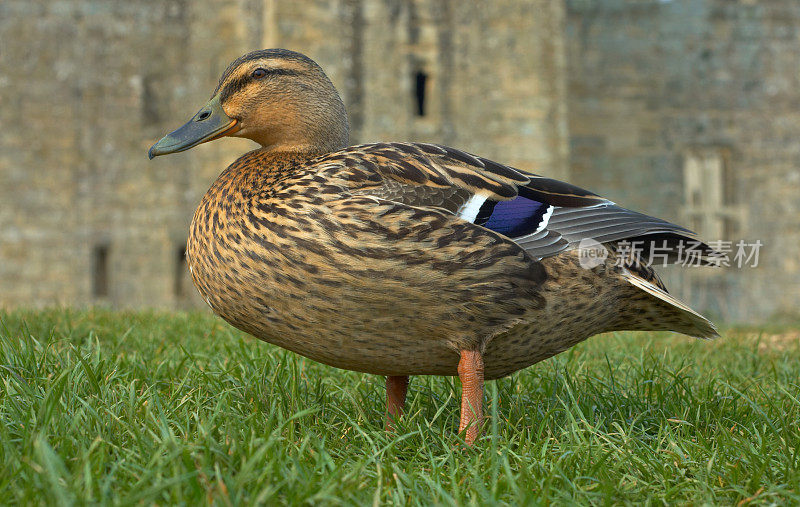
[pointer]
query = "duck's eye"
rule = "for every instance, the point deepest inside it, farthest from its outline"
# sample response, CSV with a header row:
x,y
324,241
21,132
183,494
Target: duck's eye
x,y
259,73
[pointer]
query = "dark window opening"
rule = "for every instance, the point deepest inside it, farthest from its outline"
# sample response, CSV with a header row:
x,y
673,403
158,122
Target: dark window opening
x,y
178,287
420,80
100,271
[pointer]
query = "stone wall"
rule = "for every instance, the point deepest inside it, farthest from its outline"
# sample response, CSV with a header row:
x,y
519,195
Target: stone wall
x,y
653,81
614,94
88,85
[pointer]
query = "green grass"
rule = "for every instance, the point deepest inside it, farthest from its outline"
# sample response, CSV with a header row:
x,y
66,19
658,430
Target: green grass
x,y
97,406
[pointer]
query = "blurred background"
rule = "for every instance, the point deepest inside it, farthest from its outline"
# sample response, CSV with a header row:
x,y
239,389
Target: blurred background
x,y
684,109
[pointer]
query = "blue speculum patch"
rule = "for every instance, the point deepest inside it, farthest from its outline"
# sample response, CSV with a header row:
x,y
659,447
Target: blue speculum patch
x,y
517,217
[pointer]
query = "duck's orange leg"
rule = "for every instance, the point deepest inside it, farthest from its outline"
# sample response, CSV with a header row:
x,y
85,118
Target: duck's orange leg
x,y
470,371
396,388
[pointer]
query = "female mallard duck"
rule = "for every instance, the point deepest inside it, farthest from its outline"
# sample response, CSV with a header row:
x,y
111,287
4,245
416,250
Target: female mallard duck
x,y
404,259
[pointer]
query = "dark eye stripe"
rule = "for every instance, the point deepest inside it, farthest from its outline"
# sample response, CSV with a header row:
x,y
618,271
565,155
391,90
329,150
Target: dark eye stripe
x,y
283,72
240,82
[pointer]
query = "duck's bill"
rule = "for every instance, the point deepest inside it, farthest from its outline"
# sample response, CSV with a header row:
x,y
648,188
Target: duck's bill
x,y
208,124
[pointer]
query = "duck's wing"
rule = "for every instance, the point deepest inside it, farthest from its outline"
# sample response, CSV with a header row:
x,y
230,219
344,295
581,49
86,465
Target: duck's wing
x,y
543,215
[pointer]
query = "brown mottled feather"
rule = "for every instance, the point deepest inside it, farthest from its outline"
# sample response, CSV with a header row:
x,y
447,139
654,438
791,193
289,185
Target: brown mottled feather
x,y
298,252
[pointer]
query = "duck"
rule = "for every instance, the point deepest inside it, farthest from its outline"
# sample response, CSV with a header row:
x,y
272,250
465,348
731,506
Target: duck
x,y
406,258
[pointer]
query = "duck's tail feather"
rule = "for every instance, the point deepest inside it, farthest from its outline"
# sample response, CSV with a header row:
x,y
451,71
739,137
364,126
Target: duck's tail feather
x,y
686,320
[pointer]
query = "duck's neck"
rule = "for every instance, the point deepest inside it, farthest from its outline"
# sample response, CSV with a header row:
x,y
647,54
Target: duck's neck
x,y
311,134
324,131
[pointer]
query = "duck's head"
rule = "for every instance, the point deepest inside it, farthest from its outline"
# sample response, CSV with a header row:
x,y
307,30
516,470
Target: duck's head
x,y
278,98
